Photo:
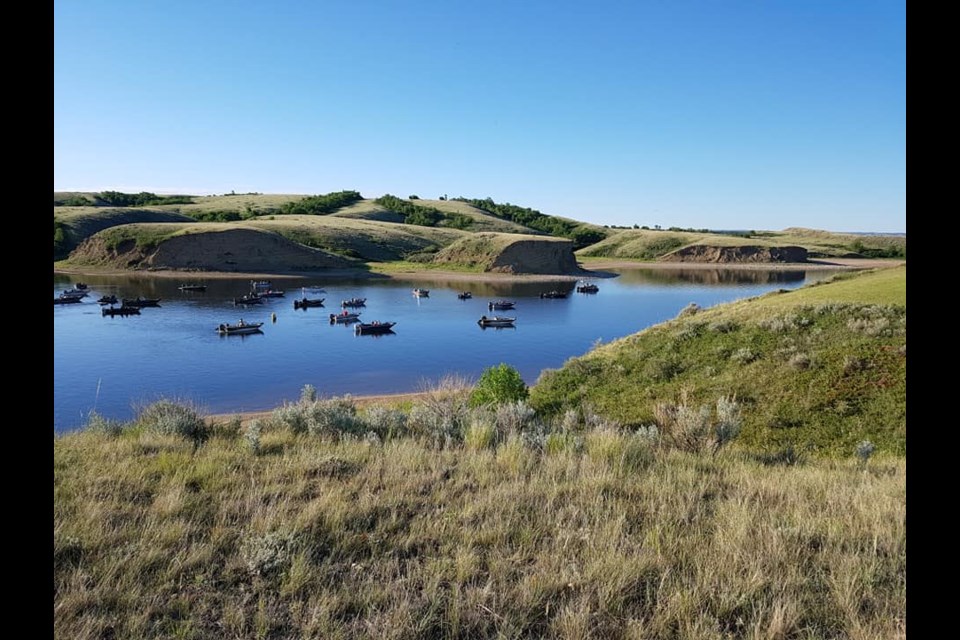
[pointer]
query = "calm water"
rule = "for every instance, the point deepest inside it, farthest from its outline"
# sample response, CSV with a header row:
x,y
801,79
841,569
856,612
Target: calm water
x,y
113,365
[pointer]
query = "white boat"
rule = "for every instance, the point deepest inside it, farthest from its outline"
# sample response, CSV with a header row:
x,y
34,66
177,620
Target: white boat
x,y
344,317
240,328
496,321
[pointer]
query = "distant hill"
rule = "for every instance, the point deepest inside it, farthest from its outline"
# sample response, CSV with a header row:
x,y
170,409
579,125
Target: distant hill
x,y
381,230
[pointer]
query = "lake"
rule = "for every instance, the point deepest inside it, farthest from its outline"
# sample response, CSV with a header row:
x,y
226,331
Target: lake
x,y
114,364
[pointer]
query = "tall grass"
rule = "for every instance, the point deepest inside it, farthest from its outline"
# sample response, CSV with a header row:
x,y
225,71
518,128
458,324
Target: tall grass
x,y
517,527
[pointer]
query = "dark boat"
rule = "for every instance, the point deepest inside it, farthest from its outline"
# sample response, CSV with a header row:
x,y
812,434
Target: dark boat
x,y
192,287
242,328
307,302
464,295
496,321
251,298
344,317
141,302
354,302
67,300
270,293
587,288
422,293
82,286
501,304
372,328
108,300
121,311
553,294
74,293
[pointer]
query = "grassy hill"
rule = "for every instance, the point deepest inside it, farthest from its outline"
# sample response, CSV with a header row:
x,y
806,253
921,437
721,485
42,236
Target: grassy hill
x,y
651,245
819,368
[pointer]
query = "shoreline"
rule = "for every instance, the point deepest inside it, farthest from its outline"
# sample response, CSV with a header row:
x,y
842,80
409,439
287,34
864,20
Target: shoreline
x,y
592,268
361,401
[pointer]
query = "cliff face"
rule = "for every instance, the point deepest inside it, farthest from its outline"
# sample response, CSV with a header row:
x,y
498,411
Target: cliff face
x,y
536,256
742,254
233,250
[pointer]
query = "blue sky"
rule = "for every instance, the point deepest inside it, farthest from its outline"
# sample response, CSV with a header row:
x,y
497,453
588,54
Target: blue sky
x,y
719,114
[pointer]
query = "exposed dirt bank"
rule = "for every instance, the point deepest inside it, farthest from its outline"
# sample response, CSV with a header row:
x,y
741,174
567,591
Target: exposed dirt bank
x,y
737,255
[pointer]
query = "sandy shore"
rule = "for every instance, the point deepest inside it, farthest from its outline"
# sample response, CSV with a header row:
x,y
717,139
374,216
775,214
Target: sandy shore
x,y
361,401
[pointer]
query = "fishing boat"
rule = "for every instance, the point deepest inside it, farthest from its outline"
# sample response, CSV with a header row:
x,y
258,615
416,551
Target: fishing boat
x,y
111,299
304,303
192,287
141,302
74,293
67,300
464,295
250,298
501,304
587,287
354,302
241,328
270,293
120,311
344,317
373,328
553,294
496,321
421,293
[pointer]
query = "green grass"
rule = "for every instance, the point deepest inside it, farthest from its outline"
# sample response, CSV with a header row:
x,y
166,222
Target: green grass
x,y
596,537
650,245
819,368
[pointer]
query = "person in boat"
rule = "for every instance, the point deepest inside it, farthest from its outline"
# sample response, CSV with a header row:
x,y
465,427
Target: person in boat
x,y
241,322
483,317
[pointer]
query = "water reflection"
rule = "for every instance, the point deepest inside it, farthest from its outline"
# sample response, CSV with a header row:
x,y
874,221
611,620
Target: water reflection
x,y
681,277
177,352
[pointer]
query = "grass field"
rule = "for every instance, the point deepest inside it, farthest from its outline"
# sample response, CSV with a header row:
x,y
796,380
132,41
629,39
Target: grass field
x,y
821,368
601,536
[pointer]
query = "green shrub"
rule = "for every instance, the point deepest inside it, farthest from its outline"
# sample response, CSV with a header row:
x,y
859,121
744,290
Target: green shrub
x,y
499,385
174,418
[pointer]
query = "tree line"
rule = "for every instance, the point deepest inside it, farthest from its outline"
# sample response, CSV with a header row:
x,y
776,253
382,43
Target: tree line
x,y
424,216
581,234
320,205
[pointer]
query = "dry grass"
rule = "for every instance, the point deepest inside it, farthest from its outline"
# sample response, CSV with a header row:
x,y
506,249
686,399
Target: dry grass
x,y
609,539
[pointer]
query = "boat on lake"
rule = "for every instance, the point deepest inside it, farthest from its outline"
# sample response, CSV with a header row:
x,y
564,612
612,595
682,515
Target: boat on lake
x,y
553,294
74,293
241,328
354,302
111,299
270,293
344,317
304,303
141,302
464,295
192,287
120,311
501,304
587,287
496,321
374,327
421,293
250,298
67,300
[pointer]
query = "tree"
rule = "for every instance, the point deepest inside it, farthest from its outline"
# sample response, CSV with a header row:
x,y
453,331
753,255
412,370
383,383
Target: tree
x,y
499,385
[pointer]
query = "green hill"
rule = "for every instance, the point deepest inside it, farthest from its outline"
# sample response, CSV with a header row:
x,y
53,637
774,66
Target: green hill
x,y
819,368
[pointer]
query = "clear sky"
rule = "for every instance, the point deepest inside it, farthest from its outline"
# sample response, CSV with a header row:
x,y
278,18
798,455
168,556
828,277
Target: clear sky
x,y
724,114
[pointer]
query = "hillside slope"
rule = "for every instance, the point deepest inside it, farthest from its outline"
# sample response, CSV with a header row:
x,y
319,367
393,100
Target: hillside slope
x,y
819,368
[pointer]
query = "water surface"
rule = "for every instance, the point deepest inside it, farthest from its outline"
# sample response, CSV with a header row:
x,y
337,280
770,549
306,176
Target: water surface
x,y
113,365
